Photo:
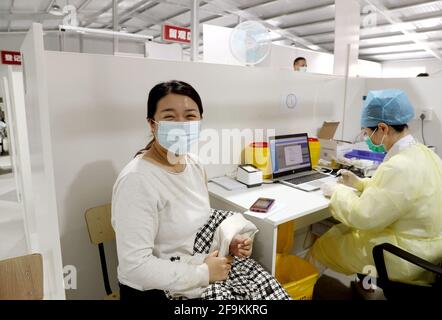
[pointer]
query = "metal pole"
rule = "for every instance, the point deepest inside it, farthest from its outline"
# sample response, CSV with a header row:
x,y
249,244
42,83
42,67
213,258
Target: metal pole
x,y
115,23
347,75
61,40
195,27
81,43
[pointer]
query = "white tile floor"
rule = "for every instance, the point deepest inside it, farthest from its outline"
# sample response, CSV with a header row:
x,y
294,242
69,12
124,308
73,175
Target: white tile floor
x,y
5,162
12,234
7,188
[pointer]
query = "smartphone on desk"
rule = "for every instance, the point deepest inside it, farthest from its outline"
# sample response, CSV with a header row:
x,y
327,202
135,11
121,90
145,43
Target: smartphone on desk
x,y
262,205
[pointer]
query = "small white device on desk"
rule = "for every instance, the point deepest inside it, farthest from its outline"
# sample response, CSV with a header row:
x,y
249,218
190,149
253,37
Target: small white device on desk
x,y
250,175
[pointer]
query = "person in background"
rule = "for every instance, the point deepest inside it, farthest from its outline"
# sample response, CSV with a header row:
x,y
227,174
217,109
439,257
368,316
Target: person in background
x,y
300,64
401,204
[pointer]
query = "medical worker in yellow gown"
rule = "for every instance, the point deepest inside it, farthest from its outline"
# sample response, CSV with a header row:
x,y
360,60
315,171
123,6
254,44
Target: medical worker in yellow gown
x,y
401,204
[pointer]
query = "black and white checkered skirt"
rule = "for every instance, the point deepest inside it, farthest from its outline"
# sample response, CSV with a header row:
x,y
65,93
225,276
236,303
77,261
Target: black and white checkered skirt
x,y
247,279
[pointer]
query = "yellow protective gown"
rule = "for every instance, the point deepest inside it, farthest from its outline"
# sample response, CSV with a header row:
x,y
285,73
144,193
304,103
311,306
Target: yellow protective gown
x,y
401,204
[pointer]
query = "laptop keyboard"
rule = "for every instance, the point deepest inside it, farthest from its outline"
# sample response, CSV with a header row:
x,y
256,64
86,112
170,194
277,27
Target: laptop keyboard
x,y
300,180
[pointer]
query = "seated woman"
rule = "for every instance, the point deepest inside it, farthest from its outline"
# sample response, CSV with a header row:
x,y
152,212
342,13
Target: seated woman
x,y
401,204
170,243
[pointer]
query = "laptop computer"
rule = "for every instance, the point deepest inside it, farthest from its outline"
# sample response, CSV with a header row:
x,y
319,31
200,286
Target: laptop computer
x,y
292,165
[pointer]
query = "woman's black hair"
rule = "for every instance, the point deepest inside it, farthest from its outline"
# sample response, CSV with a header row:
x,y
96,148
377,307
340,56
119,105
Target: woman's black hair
x,y
165,88
397,127
299,59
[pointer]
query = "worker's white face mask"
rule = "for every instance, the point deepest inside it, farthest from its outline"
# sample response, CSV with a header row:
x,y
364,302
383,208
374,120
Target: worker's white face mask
x,y
177,136
302,69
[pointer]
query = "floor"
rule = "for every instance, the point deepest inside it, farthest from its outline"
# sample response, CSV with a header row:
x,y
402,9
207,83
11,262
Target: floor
x,y
5,165
333,285
12,234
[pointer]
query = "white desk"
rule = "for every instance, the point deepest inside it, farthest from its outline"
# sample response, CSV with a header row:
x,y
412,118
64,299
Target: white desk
x,y
304,208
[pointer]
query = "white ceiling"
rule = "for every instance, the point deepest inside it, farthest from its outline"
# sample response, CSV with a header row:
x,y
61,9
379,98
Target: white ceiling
x,y
310,20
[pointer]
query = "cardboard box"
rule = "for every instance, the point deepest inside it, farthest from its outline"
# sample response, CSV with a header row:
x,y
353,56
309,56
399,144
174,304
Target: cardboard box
x,y
331,148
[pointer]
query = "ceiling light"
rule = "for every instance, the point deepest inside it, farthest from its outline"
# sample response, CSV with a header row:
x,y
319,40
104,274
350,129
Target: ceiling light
x,y
105,32
274,23
314,47
55,10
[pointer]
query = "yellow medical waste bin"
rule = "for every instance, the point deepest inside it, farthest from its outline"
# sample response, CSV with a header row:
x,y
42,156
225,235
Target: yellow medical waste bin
x,y
315,150
258,154
286,233
297,276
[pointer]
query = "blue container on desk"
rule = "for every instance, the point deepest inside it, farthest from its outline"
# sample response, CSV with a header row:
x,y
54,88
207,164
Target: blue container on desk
x,y
365,155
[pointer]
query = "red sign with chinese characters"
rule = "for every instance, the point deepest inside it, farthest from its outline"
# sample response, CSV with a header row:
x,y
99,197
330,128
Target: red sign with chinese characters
x,y
176,34
11,57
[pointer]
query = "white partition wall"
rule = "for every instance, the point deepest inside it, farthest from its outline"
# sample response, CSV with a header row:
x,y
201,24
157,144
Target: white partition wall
x,y
169,51
97,111
88,120
13,240
356,90
423,93
88,117
12,87
411,68
217,50
40,218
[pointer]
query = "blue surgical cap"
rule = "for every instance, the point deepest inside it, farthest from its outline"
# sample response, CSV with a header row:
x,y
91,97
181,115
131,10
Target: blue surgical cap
x,y
389,106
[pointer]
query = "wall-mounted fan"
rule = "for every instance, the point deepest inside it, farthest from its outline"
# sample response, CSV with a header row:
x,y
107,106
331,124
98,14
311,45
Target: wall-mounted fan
x,y
250,42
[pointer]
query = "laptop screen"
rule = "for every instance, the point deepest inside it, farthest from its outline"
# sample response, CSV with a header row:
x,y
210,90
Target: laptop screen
x,y
290,154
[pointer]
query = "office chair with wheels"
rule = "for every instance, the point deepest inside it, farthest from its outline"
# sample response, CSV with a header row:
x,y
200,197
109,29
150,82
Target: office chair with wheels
x,y
98,221
398,290
21,278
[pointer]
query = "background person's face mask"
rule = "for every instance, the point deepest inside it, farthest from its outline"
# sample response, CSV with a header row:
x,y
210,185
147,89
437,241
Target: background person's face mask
x,y
176,136
380,148
302,69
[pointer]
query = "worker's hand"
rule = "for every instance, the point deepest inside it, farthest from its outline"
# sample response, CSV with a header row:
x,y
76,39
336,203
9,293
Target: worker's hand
x,y
328,188
219,268
241,246
349,179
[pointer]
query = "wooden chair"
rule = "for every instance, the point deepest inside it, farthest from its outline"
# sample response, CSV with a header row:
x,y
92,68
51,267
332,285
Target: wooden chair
x,y
21,278
98,221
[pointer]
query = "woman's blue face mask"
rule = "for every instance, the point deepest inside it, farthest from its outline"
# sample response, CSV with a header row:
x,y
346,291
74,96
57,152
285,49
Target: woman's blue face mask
x,y
177,136
380,148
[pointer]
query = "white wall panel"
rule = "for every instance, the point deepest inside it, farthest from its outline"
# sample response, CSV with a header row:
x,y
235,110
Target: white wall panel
x,y
42,222
97,110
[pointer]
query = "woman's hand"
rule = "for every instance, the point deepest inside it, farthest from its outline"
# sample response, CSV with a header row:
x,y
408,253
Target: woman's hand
x,y
219,268
241,246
